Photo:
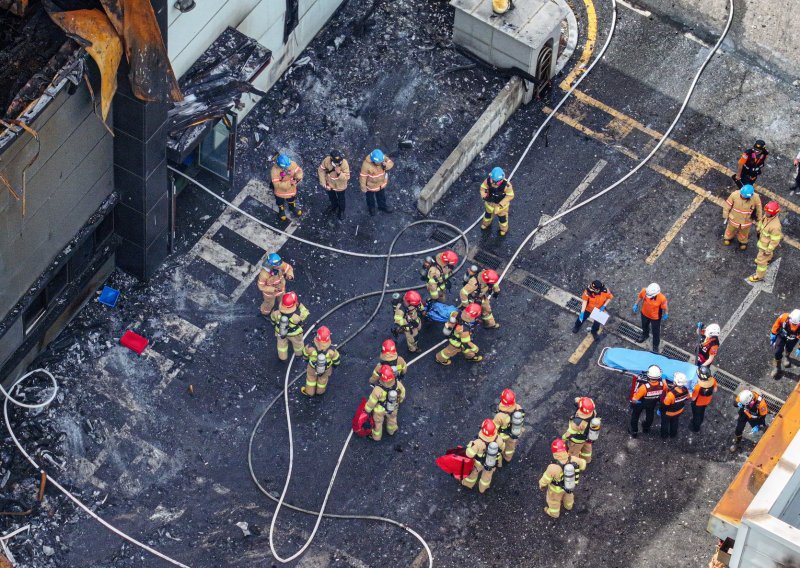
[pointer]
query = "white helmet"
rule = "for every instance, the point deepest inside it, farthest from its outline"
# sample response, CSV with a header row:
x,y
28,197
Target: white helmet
x,y
794,317
745,397
680,379
712,330
653,290
654,372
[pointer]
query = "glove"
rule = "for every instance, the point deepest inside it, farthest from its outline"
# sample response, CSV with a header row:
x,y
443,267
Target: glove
x,y
602,308
797,352
496,293
740,405
772,338
665,317
699,325
581,317
636,402
756,429
636,308
658,412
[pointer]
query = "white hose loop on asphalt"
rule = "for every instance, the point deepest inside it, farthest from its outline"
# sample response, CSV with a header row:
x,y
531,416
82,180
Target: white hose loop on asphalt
x,y
38,405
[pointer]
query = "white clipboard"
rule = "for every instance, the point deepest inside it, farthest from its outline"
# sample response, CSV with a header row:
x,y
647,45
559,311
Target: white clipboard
x,y
599,317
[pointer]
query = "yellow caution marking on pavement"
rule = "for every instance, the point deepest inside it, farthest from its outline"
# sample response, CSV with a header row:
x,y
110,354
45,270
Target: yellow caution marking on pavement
x,y
582,348
675,229
588,49
620,128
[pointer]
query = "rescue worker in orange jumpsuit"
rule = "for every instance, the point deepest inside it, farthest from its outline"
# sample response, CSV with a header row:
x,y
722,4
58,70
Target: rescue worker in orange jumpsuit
x,y
558,491
654,309
484,462
480,289
389,357
497,194
741,209
286,174
753,410
709,343
322,358
577,434
334,173
751,162
408,318
702,394
783,338
374,178
770,235
437,272
504,420
272,281
647,395
288,322
384,401
673,406
597,296
460,336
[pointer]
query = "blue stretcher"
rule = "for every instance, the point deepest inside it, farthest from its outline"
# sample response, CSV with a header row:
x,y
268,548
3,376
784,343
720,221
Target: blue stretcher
x,y
635,362
437,311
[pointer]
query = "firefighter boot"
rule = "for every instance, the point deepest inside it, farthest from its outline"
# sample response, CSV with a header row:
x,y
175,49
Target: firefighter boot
x,y
487,221
776,368
786,361
735,446
296,208
282,212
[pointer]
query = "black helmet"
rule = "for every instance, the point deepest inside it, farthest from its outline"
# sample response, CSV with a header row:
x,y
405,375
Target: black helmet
x,y
759,145
704,372
337,156
596,287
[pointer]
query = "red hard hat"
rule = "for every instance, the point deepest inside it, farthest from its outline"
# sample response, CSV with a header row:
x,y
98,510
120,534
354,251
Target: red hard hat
x,y
585,405
289,300
387,375
490,276
473,310
412,298
488,428
449,257
324,334
508,398
772,208
558,445
388,346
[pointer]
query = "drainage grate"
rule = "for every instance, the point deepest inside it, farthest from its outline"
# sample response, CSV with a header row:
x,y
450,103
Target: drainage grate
x,y
727,381
574,304
442,236
487,260
773,403
628,330
675,353
536,285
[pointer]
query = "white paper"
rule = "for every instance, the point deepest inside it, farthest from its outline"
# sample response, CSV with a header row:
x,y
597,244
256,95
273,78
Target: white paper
x,y
598,316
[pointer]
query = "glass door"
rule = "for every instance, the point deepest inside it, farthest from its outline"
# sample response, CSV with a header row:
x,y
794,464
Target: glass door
x,y
217,148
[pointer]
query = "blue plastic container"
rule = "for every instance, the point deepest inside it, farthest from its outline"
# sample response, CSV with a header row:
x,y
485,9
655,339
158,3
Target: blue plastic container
x,y
109,296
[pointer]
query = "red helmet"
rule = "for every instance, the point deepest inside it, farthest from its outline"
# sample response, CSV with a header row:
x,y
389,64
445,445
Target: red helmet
x,y
488,428
490,276
508,398
772,208
289,300
389,347
324,334
585,405
449,257
412,298
558,445
387,375
473,310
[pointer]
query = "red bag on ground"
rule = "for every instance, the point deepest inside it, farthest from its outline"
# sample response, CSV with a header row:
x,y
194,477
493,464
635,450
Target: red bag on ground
x,y
456,463
362,422
133,341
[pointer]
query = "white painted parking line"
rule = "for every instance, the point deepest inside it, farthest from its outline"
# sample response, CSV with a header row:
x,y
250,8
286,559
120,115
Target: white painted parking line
x,y
767,285
178,328
220,257
694,38
645,13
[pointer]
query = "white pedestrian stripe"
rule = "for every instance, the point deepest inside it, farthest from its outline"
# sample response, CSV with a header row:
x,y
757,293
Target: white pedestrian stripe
x,y
222,258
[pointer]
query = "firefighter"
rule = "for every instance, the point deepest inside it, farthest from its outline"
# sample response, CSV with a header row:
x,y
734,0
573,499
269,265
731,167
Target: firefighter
x,y
322,358
272,281
673,406
509,419
497,194
751,162
650,388
384,402
459,331
653,305
480,289
389,357
285,176
559,481
334,173
742,207
373,180
770,235
597,296
783,338
485,452
437,272
408,318
288,320
796,186
702,394
753,411
579,429
709,344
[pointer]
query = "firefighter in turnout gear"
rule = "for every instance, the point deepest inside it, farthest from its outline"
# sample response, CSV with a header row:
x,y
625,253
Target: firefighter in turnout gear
x,y
389,357
597,296
509,420
374,178
408,318
742,208
459,331
384,402
285,176
751,162
582,430
770,235
649,390
480,289
334,173
322,358
753,411
702,394
783,338
288,321
272,281
709,343
560,479
497,193
485,452
436,273
673,406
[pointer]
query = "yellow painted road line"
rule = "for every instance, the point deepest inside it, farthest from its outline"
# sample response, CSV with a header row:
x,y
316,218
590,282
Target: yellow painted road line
x,y
675,229
582,348
620,128
604,138
588,49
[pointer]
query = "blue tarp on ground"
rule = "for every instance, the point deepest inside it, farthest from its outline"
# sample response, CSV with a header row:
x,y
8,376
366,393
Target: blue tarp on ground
x,y
437,311
636,361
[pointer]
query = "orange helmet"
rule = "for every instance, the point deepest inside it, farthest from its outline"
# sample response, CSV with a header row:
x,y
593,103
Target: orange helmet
x,y
289,300
388,347
508,398
324,334
585,405
490,276
412,298
449,257
558,446
387,375
473,310
488,428
772,208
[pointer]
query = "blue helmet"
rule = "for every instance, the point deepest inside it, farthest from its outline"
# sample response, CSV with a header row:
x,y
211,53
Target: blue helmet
x,y
284,161
747,191
376,156
497,174
273,260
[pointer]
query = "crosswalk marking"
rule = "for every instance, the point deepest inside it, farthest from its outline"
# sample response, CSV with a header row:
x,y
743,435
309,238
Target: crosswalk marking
x,y
217,255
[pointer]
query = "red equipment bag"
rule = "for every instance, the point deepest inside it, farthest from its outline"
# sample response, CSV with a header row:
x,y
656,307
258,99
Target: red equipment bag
x,y
133,341
363,423
456,463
